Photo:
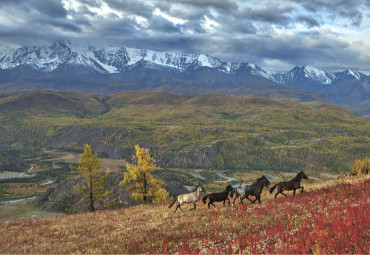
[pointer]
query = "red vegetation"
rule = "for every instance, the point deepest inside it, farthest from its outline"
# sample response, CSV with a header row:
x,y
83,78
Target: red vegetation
x,y
335,219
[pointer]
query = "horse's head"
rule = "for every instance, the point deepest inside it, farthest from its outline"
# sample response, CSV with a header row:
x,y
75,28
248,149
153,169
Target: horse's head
x,y
201,189
264,180
303,175
231,190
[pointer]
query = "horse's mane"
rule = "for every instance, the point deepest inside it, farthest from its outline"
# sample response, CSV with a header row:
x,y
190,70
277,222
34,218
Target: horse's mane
x,y
261,178
298,175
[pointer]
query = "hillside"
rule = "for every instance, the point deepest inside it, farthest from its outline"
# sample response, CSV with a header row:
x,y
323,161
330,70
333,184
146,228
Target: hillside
x,y
200,131
363,109
327,218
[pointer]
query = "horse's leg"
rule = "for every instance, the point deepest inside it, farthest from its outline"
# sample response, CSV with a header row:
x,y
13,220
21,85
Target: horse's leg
x,y
294,192
247,197
255,200
224,202
236,196
195,206
259,199
284,194
228,200
178,206
302,189
241,200
277,193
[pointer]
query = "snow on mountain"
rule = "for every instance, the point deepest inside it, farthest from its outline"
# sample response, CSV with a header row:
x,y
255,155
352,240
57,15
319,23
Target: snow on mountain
x,y
318,75
116,60
307,73
353,74
119,59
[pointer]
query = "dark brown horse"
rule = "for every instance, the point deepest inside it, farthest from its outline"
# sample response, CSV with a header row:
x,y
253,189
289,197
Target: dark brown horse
x,y
220,196
293,184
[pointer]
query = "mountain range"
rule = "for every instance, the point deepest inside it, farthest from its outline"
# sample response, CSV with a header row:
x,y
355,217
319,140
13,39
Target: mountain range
x,y
64,67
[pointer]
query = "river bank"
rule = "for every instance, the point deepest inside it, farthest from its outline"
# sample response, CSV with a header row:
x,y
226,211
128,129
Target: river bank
x,y
23,210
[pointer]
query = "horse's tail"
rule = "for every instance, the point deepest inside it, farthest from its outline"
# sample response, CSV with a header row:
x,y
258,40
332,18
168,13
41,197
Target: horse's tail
x,y
204,199
273,187
174,201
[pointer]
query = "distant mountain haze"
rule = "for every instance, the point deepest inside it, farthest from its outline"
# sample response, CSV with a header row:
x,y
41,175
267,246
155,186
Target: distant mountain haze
x,y
64,67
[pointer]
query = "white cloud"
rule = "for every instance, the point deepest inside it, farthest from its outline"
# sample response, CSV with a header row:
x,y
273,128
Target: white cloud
x,y
174,20
209,24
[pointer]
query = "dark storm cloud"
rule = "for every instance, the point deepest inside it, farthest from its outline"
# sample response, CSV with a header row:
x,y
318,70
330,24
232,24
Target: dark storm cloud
x,y
160,24
134,7
270,14
308,20
233,30
335,8
221,5
51,8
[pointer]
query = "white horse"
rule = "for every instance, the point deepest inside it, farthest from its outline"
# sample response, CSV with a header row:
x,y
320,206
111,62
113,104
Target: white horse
x,y
188,198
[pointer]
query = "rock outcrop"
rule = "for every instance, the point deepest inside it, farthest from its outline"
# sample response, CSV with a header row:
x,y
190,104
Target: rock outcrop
x,y
64,198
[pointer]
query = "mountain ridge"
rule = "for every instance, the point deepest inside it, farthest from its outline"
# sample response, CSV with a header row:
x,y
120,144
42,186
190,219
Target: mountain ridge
x,y
62,66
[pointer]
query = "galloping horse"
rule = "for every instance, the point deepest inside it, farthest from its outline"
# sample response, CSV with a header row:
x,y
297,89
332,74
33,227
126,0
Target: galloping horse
x,y
220,196
293,184
254,189
188,198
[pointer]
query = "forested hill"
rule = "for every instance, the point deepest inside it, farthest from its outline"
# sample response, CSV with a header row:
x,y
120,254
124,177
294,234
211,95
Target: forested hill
x,y
200,131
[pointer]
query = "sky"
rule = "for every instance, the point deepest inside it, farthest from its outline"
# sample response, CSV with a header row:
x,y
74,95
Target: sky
x,y
332,35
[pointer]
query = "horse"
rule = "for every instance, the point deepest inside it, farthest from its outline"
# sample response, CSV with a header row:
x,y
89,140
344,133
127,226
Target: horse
x,y
254,189
293,184
218,197
191,197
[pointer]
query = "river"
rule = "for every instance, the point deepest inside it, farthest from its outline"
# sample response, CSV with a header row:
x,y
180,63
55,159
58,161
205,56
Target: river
x,y
12,201
236,183
270,177
50,181
198,176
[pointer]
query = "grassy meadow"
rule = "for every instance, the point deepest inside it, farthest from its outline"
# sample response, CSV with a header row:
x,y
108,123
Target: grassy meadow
x,y
330,217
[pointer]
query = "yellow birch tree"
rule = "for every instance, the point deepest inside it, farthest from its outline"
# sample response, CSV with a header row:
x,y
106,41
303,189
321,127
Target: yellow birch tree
x,y
141,183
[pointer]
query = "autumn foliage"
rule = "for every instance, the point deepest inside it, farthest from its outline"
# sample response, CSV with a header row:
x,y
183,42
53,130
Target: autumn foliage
x,y
361,167
90,169
140,182
332,219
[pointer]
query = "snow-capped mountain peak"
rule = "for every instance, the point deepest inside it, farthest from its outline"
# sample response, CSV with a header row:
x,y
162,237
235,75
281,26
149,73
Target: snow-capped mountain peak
x,y
318,75
117,59
355,74
120,59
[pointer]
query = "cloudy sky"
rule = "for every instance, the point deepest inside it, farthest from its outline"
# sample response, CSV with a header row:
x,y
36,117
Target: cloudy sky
x,y
277,35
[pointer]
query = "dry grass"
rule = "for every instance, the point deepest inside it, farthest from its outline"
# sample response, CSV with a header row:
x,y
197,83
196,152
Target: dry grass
x,y
108,165
329,216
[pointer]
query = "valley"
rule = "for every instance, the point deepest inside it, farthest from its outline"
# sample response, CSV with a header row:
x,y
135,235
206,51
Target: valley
x,y
194,139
